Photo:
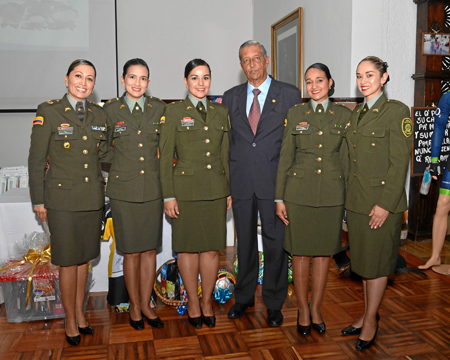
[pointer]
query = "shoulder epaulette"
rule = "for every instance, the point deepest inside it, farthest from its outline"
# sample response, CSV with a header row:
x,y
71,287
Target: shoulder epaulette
x,y
94,103
51,102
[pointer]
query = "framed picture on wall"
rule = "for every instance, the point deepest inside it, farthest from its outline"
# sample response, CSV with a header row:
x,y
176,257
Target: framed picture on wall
x,y
436,44
287,49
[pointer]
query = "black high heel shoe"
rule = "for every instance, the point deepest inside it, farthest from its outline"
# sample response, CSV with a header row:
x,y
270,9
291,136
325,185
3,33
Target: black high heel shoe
x,y
304,330
137,324
350,330
87,330
320,328
72,340
195,322
365,344
156,323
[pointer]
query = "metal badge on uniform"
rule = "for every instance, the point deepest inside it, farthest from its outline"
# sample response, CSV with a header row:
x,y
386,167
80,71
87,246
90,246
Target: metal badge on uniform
x,y
66,145
99,128
187,121
302,126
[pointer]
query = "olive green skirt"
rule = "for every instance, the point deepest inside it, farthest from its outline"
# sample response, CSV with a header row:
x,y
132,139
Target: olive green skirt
x,y
75,236
137,226
201,226
313,231
373,252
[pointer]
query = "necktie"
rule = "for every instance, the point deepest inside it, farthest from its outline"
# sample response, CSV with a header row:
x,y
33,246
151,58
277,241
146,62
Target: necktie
x,y
320,112
201,110
79,109
363,112
137,114
255,111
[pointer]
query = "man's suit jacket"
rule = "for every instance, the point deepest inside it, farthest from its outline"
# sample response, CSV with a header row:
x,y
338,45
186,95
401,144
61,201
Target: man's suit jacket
x,y
254,157
74,181
134,174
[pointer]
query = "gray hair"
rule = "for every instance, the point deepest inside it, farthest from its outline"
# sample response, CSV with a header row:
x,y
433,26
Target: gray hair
x,y
253,42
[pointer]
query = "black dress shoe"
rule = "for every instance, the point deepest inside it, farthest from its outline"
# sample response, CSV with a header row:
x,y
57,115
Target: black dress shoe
x,y
137,324
365,344
320,328
73,340
209,321
195,322
274,317
238,309
88,330
156,323
304,330
350,330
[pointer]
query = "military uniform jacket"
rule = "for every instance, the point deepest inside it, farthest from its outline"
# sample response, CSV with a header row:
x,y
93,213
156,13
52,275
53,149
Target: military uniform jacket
x,y
134,174
314,157
379,149
74,181
201,149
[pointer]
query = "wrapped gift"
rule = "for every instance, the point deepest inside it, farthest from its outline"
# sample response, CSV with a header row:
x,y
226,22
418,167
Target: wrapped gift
x,y
31,287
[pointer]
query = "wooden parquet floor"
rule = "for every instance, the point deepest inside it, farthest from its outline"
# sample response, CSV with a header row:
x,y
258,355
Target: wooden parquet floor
x,y
415,318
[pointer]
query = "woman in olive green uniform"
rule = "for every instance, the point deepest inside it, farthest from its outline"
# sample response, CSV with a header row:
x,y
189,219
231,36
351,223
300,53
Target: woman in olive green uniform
x,y
196,190
310,190
379,142
134,187
71,132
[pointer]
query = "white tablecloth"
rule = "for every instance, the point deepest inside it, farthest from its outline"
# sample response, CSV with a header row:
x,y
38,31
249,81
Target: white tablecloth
x,y
17,219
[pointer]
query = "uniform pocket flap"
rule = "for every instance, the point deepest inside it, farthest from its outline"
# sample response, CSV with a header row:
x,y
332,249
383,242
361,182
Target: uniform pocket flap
x,y
296,173
337,175
98,135
185,128
118,134
377,182
337,131
221,127
65,135
123,175
182,172
60,183
374,132
301,131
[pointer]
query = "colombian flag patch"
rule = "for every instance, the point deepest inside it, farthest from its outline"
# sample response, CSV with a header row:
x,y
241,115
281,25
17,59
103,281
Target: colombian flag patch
x,y
38,120
163,120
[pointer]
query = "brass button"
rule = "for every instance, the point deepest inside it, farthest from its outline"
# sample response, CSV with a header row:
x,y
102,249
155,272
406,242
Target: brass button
x,y
156,130
354,175
182,173
140,145
187,128
84,137
320,132
373,144
101,136
208,154
120,132
383,183
98,144
141,159
65,136
86,166
208,166
319,171
373,133
207,141
86,179
139,132
339,131
85,152
340,176
59,185
206,128
354,160
319,159
354,146
320,146
301,132
142,171
295,174
354,131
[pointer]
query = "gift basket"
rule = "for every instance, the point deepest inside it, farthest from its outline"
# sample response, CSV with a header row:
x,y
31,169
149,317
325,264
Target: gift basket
x,y
169,286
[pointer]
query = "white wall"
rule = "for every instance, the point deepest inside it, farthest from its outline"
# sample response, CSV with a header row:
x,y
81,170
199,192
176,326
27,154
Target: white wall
x,y
168,34
326,33
392,37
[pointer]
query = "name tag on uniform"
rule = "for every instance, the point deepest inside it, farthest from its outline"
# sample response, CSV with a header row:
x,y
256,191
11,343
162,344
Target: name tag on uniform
x,y
63,130
119,129
120,126
187,121
302,126
98,128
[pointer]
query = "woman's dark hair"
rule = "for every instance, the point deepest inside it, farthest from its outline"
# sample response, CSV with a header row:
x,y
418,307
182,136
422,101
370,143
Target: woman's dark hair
x,y
325,69
379,64
78,62
135,61
193,64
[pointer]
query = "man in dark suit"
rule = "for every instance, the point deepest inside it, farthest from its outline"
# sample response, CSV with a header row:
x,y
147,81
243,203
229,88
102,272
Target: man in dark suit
x,y
257,111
